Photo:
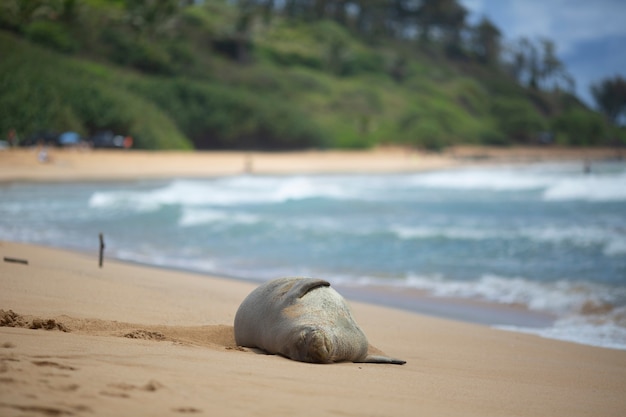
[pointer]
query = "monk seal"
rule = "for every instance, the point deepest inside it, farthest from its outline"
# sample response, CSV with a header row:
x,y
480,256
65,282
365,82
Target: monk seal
x,y
303,319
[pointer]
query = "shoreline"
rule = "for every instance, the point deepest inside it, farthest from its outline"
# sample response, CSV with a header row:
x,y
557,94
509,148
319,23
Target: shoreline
x,y
466,310
147,341
78,165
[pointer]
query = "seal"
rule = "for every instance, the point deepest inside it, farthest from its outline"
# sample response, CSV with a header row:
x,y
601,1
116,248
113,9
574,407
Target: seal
x,y
303,319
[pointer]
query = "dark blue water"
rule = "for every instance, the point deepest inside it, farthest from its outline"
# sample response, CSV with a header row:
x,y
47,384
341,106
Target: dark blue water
x,y
547,237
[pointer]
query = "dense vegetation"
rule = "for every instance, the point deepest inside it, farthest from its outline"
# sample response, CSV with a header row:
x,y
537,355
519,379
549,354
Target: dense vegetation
x,y
284,75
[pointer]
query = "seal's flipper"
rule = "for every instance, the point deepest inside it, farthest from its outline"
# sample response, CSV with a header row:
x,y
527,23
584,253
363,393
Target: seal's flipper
x,y
382,359
303,286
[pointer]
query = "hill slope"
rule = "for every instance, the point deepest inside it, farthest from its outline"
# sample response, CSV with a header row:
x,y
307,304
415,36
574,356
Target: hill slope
x,y
196,79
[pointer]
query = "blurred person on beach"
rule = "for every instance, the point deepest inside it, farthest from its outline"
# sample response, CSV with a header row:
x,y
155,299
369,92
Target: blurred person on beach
x,y
42,153
128,142
12,138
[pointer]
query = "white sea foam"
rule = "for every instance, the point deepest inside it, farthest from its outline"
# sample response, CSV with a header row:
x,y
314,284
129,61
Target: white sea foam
x,y
120,200
300,188
616,247
612,240
554,184
560,297
608,331
198,216
589,188
586,313
221,192
407,233
484,179
265,190
148,256
559,184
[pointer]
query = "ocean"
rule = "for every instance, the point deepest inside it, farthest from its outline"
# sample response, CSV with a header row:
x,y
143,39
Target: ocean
x,y
537,248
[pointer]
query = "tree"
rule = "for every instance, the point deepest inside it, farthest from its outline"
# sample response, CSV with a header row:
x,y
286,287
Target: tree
x,y
334,40
552,68
373,18
363,104
580,127
447,16
532,62
243,28
517,118
535,64
69,11
485,42
17,14
267,8
148,17
610,97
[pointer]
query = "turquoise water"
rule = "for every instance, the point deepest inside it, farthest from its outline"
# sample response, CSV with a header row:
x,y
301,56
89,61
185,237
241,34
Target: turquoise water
x,y
546,237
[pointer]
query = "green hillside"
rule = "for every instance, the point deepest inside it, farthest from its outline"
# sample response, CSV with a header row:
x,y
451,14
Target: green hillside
x,y
242,75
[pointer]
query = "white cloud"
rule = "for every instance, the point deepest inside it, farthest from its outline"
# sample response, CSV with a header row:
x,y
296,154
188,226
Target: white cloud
x,y
588,35
566,22
473,4
529,18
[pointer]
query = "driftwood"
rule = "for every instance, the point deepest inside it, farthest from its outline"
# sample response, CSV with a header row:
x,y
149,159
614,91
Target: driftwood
x,y
101,249
16,260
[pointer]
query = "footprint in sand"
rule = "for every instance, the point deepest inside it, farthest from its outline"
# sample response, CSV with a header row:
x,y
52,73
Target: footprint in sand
x,y
48,411
121,389
54,365
185,410
66,388
145,334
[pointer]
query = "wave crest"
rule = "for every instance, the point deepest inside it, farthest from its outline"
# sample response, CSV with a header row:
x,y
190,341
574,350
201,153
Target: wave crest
x,y
594,189
563,184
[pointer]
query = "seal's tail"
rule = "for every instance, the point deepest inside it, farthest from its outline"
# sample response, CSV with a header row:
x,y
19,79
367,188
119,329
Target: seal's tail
x,y
382,359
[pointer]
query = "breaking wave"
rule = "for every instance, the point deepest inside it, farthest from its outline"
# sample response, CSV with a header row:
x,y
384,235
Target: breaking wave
x,y
563,184
586,313
220,192
590,188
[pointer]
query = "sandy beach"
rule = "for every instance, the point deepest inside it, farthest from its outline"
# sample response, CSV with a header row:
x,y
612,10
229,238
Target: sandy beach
x,y
126,339
90,165
23,164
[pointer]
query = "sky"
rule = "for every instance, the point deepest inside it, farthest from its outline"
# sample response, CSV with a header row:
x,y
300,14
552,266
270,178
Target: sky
x,y
590,36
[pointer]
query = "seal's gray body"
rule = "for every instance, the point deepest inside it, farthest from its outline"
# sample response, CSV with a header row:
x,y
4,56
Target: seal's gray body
x,y
303,319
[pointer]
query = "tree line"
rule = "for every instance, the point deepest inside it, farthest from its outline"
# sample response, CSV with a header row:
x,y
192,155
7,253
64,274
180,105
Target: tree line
x,y
533,63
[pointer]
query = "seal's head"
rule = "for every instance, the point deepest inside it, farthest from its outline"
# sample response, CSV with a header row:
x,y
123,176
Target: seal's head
x,y
312,345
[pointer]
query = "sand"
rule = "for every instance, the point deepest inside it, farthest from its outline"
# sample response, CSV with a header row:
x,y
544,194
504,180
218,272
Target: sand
x,y
89,165
22,164
127,339
142,341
